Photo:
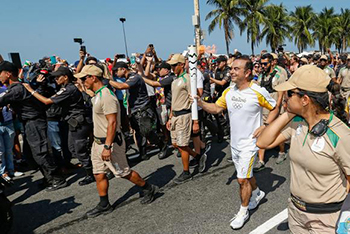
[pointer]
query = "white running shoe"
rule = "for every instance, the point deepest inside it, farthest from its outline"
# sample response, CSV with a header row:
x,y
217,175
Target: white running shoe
x,y
239,219
254,201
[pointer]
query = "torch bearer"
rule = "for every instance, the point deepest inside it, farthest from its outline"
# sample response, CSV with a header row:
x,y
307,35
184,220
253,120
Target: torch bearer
x,y
192,59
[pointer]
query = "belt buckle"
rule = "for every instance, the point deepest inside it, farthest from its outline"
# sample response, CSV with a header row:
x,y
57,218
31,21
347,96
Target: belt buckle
x,y
299,204
98,141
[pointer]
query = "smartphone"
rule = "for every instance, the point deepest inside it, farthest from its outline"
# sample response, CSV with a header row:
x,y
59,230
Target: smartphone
x,y
53,60
83,48
121,56
132,59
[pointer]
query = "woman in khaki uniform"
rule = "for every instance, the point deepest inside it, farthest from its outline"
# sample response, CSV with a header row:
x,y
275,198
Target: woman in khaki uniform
x,y
319,152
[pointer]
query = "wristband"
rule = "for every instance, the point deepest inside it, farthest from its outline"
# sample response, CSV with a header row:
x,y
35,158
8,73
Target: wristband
x,y
266,124
32,93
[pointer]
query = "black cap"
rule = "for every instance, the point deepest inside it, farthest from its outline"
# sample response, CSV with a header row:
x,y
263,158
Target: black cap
x,y
120,65
165,65
63,71
221,58
10,67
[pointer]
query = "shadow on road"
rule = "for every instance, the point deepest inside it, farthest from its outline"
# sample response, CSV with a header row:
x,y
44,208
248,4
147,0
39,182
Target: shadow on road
x,y
28,217
216,154
161,177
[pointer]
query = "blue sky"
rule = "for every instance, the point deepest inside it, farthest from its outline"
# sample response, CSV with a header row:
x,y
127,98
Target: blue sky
x,y
43,28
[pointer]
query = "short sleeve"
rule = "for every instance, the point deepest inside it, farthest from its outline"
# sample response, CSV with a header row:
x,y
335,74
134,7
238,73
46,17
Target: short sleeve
x,y
133,81
264,98
287,131
200,79
222,100
10,95
342,153
109,104
62,95
166,81
227,76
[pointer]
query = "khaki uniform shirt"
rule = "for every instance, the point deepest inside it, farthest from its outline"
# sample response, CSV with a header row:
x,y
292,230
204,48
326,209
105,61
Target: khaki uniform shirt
x,y
104,103
344,74
180,89
319,165
329,71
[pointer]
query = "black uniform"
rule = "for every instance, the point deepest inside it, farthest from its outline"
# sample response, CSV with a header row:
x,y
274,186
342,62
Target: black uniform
x,y
32,113
143,118
222,125
73,112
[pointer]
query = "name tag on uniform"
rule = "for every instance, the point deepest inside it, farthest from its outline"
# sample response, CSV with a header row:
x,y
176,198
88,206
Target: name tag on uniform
x,y
318,144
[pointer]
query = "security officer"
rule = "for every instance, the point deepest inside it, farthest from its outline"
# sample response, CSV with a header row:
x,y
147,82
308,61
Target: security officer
x,y
32,113
319,152
268,79
344,79
143,117
323,65
221,79
71,100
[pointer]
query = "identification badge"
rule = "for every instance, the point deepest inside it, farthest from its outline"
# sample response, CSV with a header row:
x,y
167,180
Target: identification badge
x,y
298,130
318,144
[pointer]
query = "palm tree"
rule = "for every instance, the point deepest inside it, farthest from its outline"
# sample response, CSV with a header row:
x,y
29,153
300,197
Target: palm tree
x,y
253,14
324,28
342,29
302,22
225,15
276,26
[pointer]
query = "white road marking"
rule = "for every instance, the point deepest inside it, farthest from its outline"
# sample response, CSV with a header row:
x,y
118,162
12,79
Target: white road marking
x,y
271,223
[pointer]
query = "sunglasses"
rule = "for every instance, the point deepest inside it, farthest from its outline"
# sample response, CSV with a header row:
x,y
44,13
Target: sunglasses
x,y
264,64
291,92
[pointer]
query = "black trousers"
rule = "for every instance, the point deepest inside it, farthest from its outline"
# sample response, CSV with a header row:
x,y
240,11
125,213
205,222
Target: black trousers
x,y
36,135
143,123
78,144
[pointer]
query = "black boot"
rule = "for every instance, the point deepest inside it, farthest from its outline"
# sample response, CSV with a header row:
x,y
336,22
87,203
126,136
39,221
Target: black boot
x,y
143,154
56,183
163,151
89,178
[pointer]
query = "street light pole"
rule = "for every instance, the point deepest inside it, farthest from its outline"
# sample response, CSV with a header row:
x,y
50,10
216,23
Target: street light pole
x,y
196,24
126,47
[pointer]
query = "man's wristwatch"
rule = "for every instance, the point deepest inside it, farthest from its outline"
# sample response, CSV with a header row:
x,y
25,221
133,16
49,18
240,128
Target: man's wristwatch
x,y
107,147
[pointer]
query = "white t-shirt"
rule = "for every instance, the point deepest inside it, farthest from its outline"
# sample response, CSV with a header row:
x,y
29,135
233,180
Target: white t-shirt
x,y
200,80
245,113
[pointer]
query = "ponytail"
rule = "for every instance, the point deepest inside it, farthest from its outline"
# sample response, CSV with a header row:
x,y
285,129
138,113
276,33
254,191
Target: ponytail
x,y
337,102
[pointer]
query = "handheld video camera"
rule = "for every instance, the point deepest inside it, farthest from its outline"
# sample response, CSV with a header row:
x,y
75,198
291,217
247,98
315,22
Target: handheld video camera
x,y
80,41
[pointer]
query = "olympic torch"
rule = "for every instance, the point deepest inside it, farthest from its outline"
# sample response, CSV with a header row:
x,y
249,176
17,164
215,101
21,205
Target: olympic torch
x,y
192,59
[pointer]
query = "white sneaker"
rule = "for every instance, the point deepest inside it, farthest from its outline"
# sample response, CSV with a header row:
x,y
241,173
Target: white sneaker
x,y
18,173
239,219
254,201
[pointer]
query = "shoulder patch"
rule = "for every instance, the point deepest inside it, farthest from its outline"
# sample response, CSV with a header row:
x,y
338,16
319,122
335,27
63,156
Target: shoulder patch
x,y
333,137
61,91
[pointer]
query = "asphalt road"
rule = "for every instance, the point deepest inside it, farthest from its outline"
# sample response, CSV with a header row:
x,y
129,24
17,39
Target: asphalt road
x,y
203,205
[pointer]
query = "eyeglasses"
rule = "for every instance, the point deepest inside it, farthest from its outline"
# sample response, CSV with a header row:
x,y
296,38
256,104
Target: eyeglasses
x,y
291,92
